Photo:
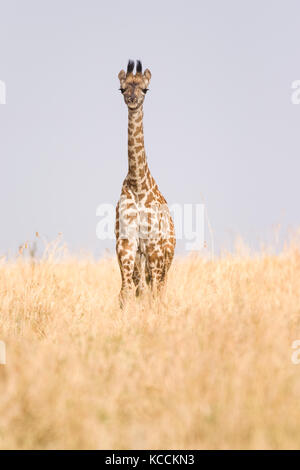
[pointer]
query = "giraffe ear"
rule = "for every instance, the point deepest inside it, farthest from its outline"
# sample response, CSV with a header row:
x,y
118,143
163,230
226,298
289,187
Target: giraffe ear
x,y
122,77
147,77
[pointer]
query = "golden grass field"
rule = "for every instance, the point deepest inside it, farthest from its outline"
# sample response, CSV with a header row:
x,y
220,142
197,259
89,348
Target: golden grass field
x,y
209,368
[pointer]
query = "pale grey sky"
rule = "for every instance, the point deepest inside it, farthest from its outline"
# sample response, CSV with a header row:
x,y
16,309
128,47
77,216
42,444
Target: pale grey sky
x,y
219,122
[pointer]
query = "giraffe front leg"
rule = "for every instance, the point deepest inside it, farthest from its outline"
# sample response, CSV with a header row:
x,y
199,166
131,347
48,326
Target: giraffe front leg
x,y
155,264
126,252
168,258
139,274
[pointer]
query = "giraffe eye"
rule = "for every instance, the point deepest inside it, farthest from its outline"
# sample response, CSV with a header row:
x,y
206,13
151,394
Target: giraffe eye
x,y
122,90
145,90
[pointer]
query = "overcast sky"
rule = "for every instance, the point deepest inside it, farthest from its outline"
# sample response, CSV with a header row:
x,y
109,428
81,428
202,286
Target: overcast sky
x,y
219,123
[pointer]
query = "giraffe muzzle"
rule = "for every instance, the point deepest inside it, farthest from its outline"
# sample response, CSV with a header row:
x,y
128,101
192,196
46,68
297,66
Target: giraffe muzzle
x,y
132,99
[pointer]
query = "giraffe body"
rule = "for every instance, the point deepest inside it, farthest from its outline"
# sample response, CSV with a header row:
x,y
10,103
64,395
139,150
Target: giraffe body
x,y
144,227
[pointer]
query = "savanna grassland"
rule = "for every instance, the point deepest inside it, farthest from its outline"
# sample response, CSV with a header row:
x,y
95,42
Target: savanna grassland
x,y
208,368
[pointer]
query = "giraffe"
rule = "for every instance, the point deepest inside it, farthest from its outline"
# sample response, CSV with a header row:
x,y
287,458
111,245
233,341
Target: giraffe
x,y
145,236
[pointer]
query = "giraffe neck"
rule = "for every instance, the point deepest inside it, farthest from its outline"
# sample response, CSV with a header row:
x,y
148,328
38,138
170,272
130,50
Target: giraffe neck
x,y
138,169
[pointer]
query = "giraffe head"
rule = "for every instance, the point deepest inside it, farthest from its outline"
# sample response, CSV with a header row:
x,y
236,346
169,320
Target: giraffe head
x,y
134,87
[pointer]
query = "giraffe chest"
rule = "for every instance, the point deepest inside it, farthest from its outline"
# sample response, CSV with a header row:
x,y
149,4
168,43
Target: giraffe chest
x,y
145,218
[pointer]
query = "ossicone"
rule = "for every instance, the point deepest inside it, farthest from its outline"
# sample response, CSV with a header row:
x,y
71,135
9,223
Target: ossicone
x,y
139,67
130,66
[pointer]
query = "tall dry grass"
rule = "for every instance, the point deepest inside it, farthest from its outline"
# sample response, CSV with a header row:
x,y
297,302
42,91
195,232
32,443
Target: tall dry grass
x,y
208,368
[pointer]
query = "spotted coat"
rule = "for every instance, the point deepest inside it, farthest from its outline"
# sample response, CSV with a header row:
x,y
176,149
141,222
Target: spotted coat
x,y
145,237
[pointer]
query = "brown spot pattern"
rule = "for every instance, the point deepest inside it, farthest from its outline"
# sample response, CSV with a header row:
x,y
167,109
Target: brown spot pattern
x,y
142,201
